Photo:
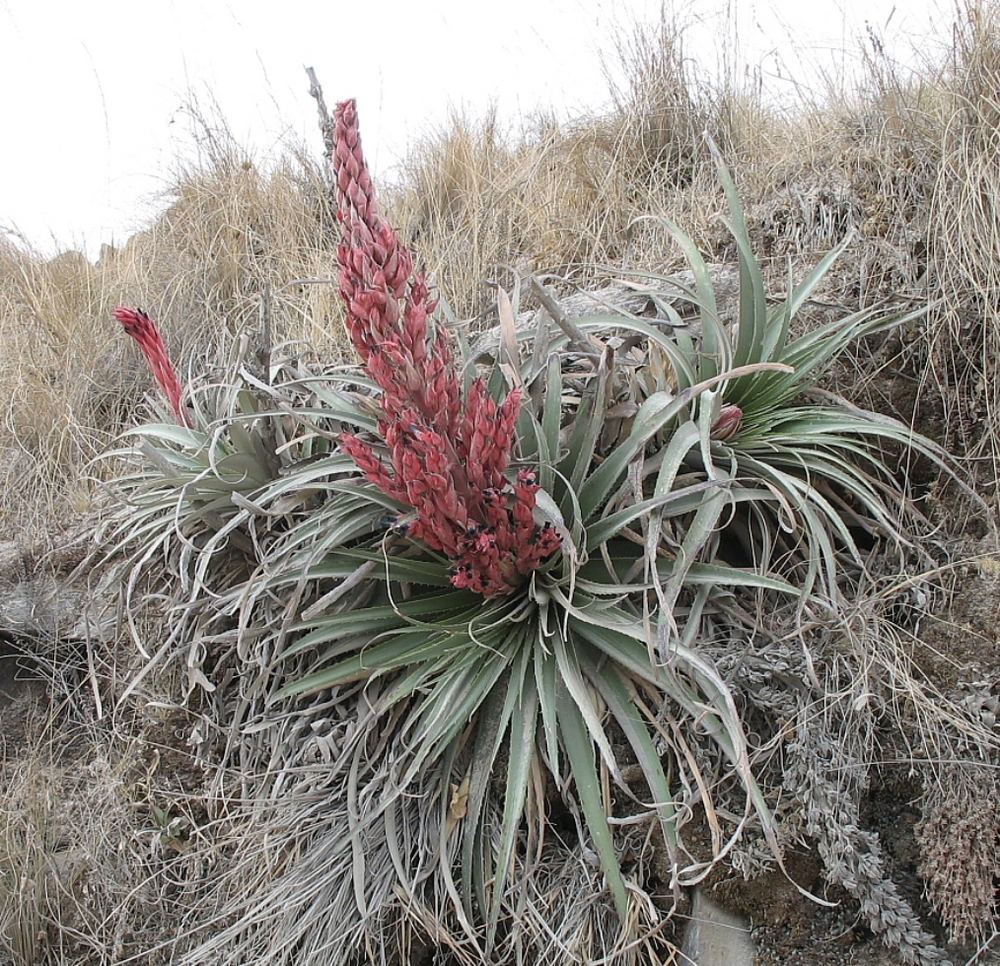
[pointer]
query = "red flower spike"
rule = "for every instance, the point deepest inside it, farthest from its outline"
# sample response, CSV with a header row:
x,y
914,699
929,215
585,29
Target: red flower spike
x,y
447,453
141,328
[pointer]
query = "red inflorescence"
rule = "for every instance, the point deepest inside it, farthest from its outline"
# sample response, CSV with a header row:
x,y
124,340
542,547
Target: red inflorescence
x,y
446,454
139,325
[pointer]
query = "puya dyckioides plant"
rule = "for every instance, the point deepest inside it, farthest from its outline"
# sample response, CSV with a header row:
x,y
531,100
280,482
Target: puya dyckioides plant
x,y
807,471
557,640
186,525
507,616
617,490
722,447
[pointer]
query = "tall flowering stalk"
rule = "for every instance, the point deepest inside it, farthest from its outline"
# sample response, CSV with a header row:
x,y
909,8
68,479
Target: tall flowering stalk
x,y
446,453
139,325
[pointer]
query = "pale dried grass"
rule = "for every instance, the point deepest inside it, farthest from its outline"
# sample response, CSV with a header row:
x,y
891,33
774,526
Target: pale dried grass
x,y
966,237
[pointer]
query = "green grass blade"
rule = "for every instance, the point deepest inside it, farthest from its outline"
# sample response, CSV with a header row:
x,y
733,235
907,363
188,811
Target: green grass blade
x,y
587,427
615,692
547,689
715,356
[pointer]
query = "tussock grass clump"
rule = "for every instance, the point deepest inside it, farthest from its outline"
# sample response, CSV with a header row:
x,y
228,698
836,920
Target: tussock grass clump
x,y
237,235
965,238
55,415
479,201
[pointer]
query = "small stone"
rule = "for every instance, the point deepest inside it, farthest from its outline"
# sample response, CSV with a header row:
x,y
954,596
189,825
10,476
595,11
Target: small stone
x,y
715,937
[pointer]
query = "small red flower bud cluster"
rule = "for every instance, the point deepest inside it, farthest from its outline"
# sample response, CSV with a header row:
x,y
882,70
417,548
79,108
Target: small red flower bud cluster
x,y
139,325
728,423
446,455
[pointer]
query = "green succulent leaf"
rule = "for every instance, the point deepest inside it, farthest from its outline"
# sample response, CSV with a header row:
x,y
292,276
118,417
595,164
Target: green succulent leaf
x,y
577,739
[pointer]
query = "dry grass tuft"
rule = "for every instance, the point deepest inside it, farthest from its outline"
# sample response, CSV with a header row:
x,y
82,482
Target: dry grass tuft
x,y
965,235
55,419
479,202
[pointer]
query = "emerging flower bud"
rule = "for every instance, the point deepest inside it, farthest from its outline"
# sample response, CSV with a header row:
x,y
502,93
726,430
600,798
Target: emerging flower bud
x,y
728,423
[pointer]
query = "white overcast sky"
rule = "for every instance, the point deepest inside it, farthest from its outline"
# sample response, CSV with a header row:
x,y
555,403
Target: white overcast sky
x,y
94,91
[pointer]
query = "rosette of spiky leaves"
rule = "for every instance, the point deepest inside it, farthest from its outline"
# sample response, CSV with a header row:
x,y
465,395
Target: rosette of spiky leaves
x,y
244,517
539,673
540,666
808,471
187,526
613,627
